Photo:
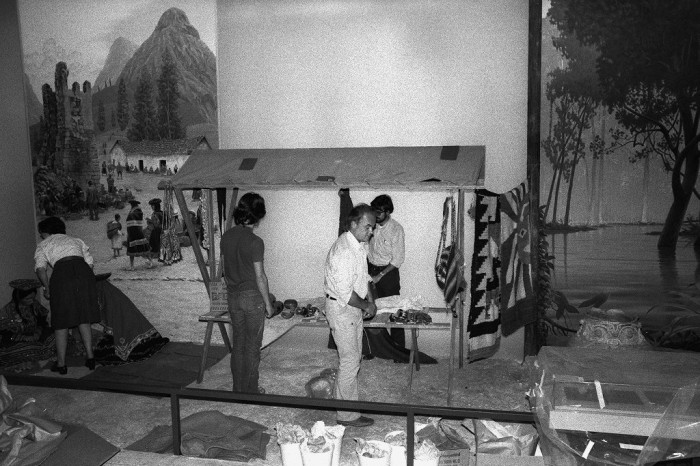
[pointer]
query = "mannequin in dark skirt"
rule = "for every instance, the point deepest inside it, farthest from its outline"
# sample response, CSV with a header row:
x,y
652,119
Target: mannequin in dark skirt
x,y
155,228
136,242
71,290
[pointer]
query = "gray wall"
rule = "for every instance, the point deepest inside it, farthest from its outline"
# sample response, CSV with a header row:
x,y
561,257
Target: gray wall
x,y
17,231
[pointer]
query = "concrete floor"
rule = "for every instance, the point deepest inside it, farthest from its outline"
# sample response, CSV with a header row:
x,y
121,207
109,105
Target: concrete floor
x,y
286,366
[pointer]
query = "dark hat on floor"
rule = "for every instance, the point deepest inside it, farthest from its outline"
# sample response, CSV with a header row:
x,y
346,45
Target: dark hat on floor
x,y
154,201
25,284
134,202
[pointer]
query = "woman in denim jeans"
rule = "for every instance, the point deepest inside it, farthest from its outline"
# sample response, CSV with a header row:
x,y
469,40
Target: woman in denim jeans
x,y
249,302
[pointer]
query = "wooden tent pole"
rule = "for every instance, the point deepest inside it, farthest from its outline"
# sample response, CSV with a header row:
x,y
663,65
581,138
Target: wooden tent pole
x,y
457,322
228,225
193,238
231,208
460,300
451,370
532,341
211,255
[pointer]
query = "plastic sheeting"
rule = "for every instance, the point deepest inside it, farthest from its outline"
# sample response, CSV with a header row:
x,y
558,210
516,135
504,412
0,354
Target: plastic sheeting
x,y
616,407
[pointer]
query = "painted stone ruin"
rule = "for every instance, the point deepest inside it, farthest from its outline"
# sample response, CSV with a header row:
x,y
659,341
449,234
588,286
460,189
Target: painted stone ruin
x,y
68,133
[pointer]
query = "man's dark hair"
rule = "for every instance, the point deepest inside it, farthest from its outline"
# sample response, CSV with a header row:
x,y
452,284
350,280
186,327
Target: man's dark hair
x,y
383,203
250,209
52,226
357,212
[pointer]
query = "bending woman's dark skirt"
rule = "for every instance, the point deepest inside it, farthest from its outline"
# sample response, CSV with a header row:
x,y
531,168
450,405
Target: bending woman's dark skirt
x,y
73,293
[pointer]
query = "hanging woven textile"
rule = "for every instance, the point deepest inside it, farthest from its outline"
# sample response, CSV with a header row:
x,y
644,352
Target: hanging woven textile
x,y
169,240
449,263
517,296
204,207
484,321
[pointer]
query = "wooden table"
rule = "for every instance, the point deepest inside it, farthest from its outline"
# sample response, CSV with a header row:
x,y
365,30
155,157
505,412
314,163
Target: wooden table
x,y
379,321
382,321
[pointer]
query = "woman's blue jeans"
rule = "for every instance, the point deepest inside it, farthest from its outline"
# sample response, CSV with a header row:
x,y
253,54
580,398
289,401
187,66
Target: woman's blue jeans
x,y
247,310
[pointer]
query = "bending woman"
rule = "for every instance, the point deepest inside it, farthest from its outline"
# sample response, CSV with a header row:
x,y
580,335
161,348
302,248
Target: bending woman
x,y
71,290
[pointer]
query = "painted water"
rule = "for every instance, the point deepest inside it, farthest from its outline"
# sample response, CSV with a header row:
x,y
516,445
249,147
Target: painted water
x,y
621,260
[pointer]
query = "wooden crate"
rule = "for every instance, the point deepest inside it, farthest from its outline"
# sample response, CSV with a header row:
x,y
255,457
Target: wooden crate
x,y
455,457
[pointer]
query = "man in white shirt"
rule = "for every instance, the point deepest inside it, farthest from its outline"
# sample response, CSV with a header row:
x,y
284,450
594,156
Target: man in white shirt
x,y
385,255
346,285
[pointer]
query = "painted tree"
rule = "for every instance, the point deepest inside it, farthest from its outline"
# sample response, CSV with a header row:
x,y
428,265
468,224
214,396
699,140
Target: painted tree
x,y
573,93
122,105
113,120
144,124
101,117
648,48
169,125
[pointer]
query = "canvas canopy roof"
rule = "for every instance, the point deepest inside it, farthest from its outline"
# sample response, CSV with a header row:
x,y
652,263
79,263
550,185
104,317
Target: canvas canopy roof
x,y
413,168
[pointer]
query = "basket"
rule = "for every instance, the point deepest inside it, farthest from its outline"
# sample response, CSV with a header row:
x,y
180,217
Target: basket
x,y
218,296
455,457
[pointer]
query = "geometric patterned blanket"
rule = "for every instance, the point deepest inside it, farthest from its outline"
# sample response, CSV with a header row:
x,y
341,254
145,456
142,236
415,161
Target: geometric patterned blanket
x,y
483,324
517,296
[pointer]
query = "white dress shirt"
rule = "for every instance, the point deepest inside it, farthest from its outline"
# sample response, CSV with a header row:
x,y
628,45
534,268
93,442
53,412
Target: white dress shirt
x,y
387,244
345,270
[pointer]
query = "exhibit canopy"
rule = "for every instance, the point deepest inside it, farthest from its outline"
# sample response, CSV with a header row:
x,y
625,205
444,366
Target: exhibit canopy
x,y
406,168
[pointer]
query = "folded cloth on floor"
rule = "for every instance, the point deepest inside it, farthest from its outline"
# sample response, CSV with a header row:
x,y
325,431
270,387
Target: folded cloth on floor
x,y
210,434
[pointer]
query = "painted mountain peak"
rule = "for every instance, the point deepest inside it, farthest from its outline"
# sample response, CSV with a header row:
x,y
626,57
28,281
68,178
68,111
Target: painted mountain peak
x,y
176,18
120,52
195,63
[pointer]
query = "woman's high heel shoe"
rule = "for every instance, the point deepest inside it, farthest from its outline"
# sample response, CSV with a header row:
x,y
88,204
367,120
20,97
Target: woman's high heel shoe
x,y
90,363
63,370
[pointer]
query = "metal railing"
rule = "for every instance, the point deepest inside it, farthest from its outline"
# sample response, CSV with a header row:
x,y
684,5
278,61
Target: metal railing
x,y
175,394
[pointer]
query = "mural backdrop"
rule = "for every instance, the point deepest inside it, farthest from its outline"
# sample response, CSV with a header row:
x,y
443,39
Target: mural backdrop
x,y
115,87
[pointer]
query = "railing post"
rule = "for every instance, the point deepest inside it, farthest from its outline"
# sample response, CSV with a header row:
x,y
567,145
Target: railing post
x,y
410,437
175,414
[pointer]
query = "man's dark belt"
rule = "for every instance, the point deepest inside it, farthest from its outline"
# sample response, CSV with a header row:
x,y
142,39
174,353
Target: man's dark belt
x,y
68,258
331,297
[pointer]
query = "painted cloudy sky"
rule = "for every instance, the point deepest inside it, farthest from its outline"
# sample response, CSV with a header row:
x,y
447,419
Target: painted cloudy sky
x,y
80,32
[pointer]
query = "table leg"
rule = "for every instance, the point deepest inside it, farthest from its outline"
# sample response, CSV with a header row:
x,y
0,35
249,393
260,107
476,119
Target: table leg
x,y
411,357
414,337
205,351
224,336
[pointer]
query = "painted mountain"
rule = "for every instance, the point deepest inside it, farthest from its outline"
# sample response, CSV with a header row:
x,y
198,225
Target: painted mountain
x,y
119,55
195,63
196,70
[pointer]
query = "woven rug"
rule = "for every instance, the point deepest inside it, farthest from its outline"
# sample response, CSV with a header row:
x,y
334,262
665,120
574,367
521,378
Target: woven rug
x,y
484,322
176,365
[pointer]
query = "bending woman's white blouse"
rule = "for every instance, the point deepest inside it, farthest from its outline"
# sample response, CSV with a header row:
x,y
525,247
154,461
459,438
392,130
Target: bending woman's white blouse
x,y
58,246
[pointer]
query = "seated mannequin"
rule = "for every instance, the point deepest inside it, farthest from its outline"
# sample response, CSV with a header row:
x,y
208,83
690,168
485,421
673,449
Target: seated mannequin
x,y
25,335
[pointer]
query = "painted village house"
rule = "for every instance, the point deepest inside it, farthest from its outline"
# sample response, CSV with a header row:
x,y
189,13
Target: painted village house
x,y
158,155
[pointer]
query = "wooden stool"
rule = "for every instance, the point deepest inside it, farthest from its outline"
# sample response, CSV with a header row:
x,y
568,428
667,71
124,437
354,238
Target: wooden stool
x,y
221,318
